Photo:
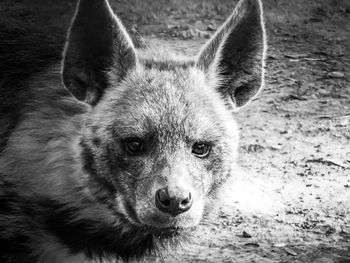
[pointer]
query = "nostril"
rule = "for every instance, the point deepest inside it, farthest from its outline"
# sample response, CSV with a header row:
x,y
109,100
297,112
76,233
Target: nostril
x,y
162,200
186,203
166,202
163,197
187,200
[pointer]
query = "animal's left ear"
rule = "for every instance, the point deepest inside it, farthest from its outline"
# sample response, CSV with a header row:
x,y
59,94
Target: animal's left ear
x,y
233,59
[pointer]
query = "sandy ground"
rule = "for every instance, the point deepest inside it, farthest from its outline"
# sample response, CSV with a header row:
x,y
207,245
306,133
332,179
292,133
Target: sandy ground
x,y
289,200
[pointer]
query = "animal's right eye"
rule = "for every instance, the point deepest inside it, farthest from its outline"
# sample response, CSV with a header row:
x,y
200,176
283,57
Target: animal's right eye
x,y
134,146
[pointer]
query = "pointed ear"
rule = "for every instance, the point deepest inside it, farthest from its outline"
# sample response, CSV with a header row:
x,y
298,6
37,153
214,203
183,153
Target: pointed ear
x,y
98,49
233,59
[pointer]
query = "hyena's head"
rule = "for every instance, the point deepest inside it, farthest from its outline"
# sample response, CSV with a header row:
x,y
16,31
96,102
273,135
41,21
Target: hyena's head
x,y
160,138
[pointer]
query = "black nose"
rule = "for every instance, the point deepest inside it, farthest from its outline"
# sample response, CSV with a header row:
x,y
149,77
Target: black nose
x,y
174,204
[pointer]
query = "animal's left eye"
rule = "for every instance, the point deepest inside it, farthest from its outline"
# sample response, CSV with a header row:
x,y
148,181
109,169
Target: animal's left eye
x,y
201,149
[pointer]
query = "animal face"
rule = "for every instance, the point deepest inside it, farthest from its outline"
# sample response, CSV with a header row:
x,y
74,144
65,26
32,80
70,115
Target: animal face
x,y
164,141
160,138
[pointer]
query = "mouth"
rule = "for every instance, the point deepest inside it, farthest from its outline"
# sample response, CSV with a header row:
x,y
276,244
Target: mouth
x,y
165,236
157,222
172,231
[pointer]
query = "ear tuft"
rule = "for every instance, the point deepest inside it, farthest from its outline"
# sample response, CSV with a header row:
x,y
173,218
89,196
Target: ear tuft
x,y
235,55
97,46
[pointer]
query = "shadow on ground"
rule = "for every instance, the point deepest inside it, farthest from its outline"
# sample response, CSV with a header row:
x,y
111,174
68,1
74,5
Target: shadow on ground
x,y
289,201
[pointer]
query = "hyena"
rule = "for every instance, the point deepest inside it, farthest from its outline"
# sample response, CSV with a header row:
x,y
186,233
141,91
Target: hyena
x,y
114,153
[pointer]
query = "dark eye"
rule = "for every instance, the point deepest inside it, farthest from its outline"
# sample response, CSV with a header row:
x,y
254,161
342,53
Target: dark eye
x,y
134,146
201,149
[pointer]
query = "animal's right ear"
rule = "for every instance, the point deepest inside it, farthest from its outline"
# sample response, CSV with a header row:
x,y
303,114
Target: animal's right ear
x,y
98,49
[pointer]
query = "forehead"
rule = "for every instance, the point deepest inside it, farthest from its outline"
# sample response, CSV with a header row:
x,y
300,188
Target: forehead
x,y
166,97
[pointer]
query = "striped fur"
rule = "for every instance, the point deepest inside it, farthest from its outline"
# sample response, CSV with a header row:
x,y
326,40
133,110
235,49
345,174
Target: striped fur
x,y
69,190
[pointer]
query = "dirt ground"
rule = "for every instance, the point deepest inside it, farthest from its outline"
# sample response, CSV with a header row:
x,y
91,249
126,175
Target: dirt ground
x,y
290,199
